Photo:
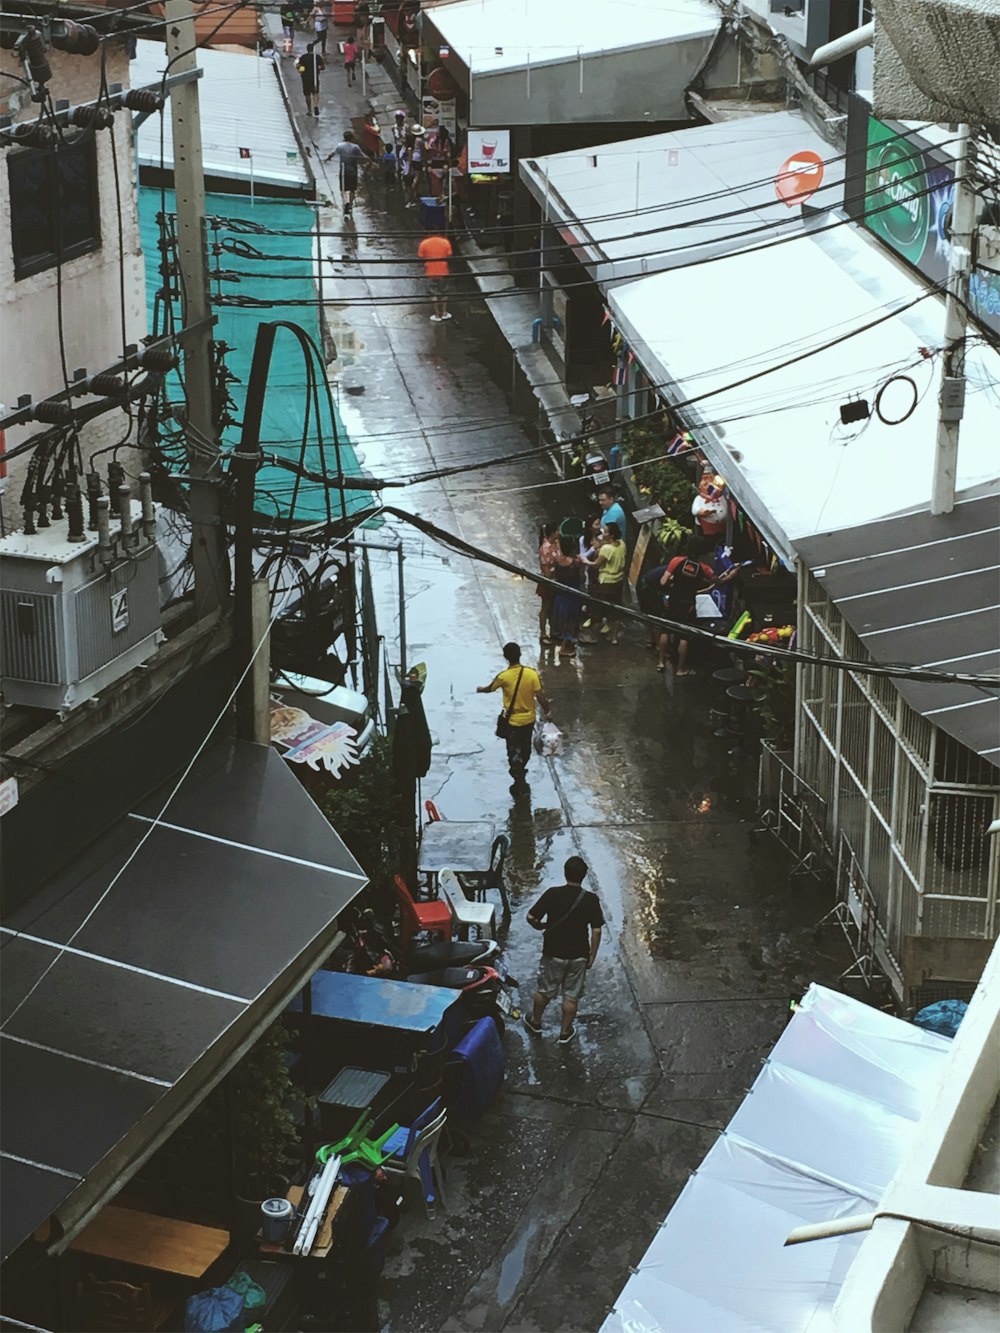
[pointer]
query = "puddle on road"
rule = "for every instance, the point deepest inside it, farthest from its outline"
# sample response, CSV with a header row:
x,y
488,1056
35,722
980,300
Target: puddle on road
x,y
512,1268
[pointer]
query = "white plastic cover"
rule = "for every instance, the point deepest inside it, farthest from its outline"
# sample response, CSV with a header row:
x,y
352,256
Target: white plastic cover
x,y
819,1136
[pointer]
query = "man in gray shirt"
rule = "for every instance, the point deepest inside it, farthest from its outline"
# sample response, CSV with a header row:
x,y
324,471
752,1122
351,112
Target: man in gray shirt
x,y
352,159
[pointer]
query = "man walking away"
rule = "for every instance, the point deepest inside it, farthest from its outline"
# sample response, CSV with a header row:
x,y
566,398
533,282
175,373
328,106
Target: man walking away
x,y
522,692
350,49
435,251
309,65
352,158
572,919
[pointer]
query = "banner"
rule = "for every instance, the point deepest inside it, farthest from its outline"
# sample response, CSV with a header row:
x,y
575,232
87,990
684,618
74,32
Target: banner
x,y
919,188
489,152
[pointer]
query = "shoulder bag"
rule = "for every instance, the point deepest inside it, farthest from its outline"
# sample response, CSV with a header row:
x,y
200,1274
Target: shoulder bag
x,y
553,925
503,721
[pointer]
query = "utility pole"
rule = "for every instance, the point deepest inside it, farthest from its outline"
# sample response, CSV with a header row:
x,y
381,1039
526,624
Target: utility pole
x,y
208,544
951,393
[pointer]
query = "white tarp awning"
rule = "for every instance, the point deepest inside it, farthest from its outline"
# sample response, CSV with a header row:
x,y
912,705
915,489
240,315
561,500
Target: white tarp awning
x,y
639,206
241,107
819,1136
779,439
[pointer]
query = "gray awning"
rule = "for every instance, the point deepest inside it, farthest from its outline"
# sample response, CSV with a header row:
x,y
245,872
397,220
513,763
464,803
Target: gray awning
x,y
211,925
925,589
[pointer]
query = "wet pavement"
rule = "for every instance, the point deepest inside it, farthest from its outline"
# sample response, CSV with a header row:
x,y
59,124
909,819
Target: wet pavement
x,y
569,1173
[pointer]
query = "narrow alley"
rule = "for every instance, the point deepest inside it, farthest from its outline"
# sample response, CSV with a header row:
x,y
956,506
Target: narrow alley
x,y
576,1164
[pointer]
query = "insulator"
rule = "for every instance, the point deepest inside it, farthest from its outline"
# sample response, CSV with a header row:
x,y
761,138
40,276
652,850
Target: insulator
x,y
160,359
53,412
92,117
34,50
30,134
109,386
79,39
143,99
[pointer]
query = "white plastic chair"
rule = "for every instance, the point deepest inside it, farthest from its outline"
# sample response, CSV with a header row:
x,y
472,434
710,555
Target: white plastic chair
x,y
463,912
423,1148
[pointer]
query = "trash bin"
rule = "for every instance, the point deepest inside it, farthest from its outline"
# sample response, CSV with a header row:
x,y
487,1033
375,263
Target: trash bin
x,y
432,213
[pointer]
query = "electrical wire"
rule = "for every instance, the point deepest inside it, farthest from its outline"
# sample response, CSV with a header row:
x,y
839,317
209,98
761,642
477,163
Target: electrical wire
x,y
154,824
892,671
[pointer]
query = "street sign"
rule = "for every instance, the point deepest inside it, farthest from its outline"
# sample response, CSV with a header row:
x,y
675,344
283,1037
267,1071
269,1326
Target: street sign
x,y
799,177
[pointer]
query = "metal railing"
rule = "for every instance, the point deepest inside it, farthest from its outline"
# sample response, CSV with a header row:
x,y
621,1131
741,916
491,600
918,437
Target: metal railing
x,y
795,814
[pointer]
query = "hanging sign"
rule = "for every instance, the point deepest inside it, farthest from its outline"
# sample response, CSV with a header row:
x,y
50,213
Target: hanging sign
x,y
306,741
489,151
799,177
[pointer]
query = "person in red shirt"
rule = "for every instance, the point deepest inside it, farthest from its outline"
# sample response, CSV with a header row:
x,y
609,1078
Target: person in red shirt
x,y
350,50
435,251
684,578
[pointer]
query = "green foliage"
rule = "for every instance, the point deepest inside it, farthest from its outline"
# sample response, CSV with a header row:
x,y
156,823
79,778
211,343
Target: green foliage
x,y
364,807
664,481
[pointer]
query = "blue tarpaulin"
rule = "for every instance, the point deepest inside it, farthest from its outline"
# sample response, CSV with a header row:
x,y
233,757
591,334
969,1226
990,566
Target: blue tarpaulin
x,y
285,406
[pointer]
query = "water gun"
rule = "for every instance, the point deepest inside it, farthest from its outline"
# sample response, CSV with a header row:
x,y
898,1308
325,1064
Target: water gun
x,y
738,629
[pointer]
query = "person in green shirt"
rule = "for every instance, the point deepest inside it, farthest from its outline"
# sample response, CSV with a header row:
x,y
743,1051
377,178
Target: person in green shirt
x,y
610,564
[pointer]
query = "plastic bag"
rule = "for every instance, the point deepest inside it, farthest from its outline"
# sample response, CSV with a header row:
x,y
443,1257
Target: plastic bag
x,y
254,1295
548,740
213,1310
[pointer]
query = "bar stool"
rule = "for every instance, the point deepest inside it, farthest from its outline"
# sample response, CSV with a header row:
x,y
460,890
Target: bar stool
x,y
742,696
720,710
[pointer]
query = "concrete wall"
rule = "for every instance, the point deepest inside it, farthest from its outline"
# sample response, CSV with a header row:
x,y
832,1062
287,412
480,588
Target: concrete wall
x,y
623,85
29,341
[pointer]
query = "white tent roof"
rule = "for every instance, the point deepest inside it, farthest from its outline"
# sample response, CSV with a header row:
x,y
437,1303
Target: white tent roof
x,y
241,107
641,205
820,1136
494,35
800,471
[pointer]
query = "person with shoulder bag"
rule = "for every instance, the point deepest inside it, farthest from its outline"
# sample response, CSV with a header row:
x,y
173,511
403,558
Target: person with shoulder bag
x,y
572,919
522,693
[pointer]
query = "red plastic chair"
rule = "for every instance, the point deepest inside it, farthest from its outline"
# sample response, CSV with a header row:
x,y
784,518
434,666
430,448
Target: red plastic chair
x,y
433,916
434,815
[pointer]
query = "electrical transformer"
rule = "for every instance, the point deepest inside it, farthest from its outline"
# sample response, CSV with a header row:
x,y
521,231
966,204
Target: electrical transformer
x,y
77,610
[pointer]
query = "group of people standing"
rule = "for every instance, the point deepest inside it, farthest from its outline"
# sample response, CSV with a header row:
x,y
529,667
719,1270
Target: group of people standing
x,y
590,569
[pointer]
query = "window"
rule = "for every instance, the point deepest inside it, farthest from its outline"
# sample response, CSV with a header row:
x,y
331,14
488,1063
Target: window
x,y
53,205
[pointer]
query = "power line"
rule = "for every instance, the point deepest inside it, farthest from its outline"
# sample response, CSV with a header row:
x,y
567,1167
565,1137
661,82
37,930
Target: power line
x,y
892,671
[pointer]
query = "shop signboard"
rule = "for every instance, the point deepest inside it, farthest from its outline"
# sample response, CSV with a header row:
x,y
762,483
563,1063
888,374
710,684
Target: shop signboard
x,y
909,195
435,111
489,152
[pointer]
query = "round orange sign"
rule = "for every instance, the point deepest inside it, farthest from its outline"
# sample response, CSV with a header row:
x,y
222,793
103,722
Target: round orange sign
x,y
799,177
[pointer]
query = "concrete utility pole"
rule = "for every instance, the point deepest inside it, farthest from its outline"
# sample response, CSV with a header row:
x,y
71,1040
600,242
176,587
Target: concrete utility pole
x,y
951,394
208,545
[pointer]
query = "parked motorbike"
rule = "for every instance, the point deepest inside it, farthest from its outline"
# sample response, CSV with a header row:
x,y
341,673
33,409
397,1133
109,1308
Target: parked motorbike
x,y
371,951
473,967
486,992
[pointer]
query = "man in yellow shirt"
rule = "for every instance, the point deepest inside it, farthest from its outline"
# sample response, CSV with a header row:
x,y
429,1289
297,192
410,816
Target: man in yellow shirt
x,y
522,692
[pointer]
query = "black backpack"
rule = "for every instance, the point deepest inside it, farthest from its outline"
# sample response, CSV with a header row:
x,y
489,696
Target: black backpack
x,y
689,579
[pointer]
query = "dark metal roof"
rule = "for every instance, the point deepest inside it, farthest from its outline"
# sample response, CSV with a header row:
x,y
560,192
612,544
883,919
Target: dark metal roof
x,y
126,1006
924,589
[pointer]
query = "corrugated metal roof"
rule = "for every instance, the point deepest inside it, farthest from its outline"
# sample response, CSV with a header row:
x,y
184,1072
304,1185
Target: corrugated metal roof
x,y
241,107
678,185
925,589
494,35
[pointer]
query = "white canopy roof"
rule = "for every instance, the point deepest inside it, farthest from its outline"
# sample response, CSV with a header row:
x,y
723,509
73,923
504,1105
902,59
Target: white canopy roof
x,y
820,1136
241,107
799,470
645,204
494,35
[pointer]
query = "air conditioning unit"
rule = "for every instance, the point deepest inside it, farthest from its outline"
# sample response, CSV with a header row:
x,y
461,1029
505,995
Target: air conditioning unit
x,y
76,616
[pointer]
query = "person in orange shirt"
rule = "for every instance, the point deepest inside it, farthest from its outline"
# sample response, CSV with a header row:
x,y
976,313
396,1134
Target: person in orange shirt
x,y
435,251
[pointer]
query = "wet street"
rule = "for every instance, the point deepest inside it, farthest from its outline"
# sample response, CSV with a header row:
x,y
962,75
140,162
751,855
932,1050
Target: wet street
x,y
571,1170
